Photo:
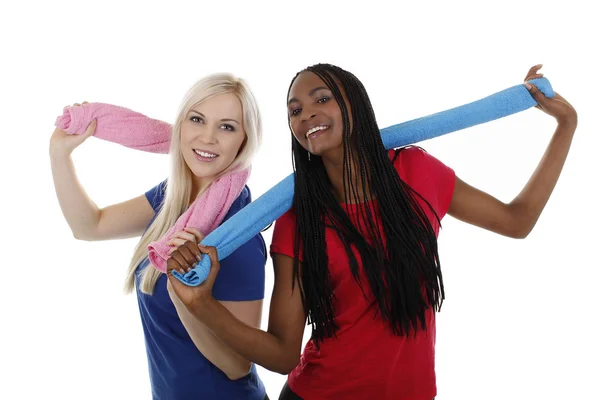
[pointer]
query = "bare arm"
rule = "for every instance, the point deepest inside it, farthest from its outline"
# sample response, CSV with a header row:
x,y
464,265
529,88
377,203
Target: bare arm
x,y
279,348
222,356
517,218
86,220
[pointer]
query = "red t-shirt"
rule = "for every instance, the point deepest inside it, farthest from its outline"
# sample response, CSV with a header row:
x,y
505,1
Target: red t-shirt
x,y
365,360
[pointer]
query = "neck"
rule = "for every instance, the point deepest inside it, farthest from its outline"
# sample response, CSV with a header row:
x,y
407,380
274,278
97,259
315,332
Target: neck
x,y
334,167
198,183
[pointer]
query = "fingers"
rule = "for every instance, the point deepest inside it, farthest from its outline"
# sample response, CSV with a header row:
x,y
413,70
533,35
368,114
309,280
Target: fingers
x,y
533,71
172,264
179,238
184,265
197,234
193,249
91,129
214,261
537,95
77,104
532,77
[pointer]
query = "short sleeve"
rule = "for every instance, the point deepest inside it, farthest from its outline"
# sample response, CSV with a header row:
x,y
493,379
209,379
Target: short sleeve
x,y
284,235
156,196
242,274
428,176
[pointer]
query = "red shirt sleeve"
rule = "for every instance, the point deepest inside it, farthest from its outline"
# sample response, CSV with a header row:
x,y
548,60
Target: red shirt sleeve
x,y
428,176
284,235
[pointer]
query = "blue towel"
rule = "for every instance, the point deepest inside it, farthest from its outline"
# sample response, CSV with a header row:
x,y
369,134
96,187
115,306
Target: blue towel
x,y
276,201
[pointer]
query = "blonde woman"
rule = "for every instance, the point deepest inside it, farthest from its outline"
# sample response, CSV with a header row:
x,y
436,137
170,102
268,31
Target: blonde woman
x,y
218,130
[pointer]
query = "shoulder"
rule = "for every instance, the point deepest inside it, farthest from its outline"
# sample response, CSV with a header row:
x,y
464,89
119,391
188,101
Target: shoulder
x,y
285,225
414,163
156,195
427,175
240,202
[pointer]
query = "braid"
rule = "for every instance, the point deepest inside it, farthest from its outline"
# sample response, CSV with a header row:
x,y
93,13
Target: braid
x,y
404,275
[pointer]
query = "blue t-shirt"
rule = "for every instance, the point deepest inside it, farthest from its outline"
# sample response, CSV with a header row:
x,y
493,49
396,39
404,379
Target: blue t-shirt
x,y
178,370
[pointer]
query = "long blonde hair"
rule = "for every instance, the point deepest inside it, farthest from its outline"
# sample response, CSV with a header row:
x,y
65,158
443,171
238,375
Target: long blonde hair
x,y
178,192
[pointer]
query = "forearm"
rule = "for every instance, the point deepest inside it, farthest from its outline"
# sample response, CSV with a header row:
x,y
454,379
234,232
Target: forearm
x,y
223,357
79,210
256,345
529,204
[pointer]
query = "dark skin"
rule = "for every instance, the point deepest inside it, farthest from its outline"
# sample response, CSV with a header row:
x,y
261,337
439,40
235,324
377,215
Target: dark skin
x,y
278,349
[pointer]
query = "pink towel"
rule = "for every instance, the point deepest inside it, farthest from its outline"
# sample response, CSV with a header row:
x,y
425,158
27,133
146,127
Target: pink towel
x,y
118,125
205,214
137,131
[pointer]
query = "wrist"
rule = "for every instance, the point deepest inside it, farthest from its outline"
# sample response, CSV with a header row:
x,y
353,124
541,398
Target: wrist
x,y
59,152
204,308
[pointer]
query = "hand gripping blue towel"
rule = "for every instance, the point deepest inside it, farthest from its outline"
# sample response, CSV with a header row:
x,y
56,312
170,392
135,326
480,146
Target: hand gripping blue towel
x,y
276,201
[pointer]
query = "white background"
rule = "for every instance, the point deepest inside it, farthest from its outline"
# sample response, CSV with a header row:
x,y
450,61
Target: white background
x,y
521,318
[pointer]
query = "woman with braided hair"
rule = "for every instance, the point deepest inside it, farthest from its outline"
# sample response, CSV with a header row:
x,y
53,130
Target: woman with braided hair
x,y
357,254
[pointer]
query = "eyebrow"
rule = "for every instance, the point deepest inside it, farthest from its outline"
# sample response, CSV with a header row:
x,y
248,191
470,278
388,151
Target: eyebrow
x,y
310,93
222,120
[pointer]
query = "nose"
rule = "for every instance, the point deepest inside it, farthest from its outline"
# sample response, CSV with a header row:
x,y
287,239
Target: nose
x,y
307,115
209,135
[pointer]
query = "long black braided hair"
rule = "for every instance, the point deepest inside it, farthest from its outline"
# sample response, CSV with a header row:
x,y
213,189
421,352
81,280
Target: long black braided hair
x,y
404,276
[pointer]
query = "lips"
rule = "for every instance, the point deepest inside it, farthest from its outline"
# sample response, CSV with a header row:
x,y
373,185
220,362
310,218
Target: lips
x,y
316,131
205,155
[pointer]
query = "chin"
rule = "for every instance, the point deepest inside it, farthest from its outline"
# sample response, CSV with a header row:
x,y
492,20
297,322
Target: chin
x,y
326,148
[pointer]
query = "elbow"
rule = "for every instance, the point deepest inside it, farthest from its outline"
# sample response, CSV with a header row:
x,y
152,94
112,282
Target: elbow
x,y
521,222
521,235
521,232
240,372
288,366
86,237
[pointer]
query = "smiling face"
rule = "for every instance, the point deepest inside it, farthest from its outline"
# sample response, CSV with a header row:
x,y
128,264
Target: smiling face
x,y
315,116
212,135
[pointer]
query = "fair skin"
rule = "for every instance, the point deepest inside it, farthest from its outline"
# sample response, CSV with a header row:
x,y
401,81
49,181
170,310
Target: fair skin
x,y
279,348
213,127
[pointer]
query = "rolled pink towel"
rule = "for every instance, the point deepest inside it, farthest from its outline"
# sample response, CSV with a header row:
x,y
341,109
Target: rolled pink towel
x,y
118,125
205,214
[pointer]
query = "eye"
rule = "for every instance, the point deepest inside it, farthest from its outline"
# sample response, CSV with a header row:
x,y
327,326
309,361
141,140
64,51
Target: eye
x,y
323,100
295,112
197,119
227,127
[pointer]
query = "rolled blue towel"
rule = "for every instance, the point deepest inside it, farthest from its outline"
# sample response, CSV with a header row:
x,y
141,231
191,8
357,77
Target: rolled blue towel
x,y
253,218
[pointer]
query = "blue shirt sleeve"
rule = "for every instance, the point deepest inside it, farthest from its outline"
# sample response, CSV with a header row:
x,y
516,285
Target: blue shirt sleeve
x,y
242,274
156,196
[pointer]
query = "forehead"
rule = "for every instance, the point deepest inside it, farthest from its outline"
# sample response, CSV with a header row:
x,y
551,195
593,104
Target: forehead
x,y
221,105
304,83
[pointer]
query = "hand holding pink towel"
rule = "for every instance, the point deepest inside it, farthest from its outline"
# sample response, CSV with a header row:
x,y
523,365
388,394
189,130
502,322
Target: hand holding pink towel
x,y
118,125
137,131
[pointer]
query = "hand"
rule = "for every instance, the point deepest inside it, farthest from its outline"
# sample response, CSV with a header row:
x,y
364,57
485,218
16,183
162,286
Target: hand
x,y
182,259
64,143
188,234
558,107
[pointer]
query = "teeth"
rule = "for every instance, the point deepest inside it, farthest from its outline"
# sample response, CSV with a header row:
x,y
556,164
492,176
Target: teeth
x,y
203,154
316,129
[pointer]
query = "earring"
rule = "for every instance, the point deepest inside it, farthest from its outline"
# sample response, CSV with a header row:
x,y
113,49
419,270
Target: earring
x,y
309,156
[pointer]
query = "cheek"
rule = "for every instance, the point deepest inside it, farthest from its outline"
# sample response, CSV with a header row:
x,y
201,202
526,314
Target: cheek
x,y
186,134
233,144
296,131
